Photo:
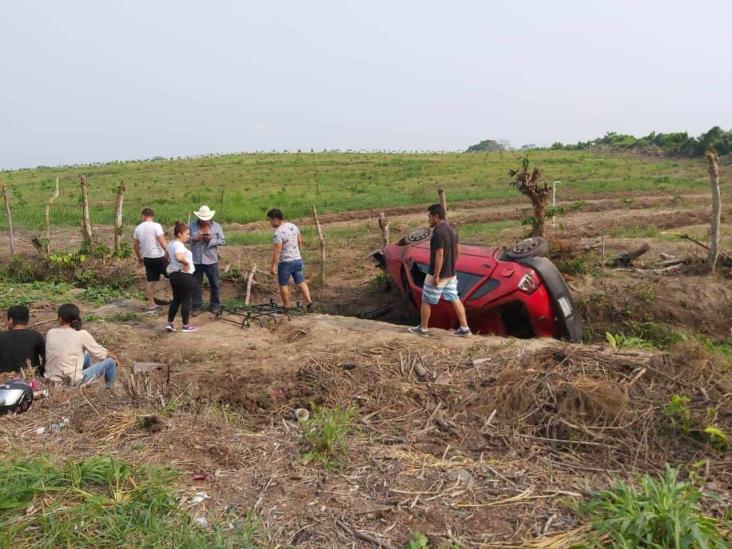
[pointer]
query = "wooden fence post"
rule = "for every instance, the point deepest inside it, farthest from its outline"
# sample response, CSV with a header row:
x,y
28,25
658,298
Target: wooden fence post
x,y
384,226
118,215
86,227
716,208
443,200
47,218
6,198
250,279
321,240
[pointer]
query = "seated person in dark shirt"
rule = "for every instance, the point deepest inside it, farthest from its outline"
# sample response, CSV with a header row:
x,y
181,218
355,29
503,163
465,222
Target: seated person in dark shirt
x,y
19,345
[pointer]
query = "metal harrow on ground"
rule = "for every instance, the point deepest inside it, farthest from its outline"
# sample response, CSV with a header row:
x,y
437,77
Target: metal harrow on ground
x,y
244,315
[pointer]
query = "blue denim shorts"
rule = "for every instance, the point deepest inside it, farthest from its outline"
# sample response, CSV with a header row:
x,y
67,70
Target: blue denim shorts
x,y
287,269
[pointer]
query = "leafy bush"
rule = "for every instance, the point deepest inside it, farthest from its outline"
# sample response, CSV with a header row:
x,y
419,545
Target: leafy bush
x,y
325,435
677,410
658,513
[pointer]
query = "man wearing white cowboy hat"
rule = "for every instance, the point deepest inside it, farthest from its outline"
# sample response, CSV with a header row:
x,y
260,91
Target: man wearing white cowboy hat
x,y
206,237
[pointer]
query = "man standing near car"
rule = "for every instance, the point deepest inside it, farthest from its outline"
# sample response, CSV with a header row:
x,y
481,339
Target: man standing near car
x,y
150,245
206,237
286,257
441,280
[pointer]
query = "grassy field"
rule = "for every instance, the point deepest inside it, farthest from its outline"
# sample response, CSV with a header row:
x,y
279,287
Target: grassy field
x,y
335,182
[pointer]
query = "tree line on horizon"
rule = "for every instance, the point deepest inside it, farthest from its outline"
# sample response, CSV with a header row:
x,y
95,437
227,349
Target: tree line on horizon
x,y
669,144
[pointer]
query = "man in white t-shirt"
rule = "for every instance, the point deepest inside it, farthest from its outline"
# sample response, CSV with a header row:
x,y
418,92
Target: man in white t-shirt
x,y
286,257
150,248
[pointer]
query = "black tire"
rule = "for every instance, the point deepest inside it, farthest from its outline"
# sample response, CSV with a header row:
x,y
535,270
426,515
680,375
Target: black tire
x,y
416,236
529,247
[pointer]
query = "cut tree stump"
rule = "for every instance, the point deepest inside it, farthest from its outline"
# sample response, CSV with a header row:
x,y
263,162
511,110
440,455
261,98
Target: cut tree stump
x,y
147,367
626,259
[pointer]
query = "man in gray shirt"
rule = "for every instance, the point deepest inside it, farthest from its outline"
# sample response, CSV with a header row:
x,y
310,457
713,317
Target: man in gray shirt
x,y
206,237
286,257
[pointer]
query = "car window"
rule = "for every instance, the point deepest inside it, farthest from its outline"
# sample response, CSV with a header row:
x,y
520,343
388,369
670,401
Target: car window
x,y
485,288
466,281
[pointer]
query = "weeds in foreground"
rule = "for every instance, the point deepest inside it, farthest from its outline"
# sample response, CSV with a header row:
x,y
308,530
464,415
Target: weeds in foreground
x,y
102,502
326,436
662,512
621,341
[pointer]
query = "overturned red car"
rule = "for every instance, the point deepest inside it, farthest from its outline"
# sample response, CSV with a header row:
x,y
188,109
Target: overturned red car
x,y
512,291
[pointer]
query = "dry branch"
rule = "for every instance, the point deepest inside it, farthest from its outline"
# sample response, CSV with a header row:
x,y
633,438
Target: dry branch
x,y
321,241
8,211
118,215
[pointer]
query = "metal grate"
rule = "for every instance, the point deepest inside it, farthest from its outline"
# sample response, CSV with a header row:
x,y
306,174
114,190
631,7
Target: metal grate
x,y
245,315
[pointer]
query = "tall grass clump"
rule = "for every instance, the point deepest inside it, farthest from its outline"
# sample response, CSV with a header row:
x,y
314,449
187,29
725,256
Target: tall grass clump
x,y
325,434
101,502
663,512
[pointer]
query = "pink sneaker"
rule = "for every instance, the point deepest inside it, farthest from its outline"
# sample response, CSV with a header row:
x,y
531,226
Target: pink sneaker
x,y
189,328
169,327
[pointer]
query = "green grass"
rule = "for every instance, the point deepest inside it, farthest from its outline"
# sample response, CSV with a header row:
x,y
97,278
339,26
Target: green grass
x,y
335,182
659,512
13,293
326,436
101,502
635,231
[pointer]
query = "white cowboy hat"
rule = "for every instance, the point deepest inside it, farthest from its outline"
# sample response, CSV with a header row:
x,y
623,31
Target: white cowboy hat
x,y
204,213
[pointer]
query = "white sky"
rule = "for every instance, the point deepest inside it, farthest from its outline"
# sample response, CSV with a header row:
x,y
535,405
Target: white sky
x,y
84,81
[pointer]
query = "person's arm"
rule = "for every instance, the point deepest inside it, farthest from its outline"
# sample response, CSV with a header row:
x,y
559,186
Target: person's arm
x,y
276,252
181,257
97,352
217,237
299,241
193,230
39,355
160,237
136,247
439,259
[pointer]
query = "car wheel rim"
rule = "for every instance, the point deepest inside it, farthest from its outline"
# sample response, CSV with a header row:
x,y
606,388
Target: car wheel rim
x,y
525,246
419,234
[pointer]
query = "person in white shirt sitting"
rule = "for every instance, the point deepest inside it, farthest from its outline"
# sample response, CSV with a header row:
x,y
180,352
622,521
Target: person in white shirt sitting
x,y
73,356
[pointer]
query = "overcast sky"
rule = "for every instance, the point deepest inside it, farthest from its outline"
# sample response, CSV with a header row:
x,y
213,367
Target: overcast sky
x,y
84,81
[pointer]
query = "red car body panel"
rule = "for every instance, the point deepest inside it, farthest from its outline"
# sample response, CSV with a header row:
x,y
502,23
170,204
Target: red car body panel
x,y
487,284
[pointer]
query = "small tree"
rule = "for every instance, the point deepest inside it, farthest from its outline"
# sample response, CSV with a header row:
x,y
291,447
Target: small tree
x,y
527,182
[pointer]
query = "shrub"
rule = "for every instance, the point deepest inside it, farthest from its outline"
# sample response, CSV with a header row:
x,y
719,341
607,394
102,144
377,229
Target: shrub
x,y
658,513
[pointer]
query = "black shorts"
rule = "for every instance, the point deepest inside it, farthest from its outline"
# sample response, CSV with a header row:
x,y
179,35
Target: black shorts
x,y
154,268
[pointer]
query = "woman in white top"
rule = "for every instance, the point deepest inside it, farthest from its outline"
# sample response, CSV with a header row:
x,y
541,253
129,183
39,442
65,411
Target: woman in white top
x,y
181,278
70,351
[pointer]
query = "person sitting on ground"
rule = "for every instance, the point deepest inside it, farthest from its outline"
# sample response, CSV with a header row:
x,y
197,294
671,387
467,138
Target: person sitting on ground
x,y
19,345
206,237
150,245
72,354
181,271
441,280
286,257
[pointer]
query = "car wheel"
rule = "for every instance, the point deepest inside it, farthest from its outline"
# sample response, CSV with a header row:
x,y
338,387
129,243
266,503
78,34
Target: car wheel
x,y
529,247
416,236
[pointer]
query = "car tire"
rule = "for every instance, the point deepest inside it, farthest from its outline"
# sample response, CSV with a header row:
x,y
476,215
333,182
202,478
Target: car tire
x,y
416,236
528,247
